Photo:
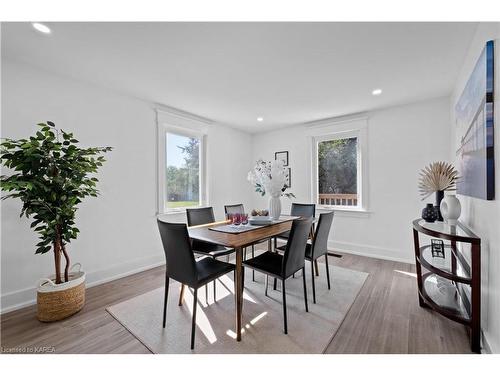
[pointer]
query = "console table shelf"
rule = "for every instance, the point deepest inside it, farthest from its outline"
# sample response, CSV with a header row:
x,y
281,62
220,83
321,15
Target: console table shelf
x,y
443,297
451,267
451,285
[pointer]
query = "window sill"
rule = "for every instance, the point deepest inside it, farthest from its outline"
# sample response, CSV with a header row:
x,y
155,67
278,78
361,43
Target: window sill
x,y
345,212
178,211
173,212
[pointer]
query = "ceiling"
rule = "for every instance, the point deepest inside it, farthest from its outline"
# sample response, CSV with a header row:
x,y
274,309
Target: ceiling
x,y
232,73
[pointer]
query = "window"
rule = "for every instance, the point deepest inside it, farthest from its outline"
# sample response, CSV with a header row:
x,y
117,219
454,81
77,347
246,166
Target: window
x,y
182,185
338,172
181,160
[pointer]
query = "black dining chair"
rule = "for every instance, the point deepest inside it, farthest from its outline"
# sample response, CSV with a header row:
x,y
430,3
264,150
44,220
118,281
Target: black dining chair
x,y
284,266
200,216
182,266
234,208
298,209
240,209
319,247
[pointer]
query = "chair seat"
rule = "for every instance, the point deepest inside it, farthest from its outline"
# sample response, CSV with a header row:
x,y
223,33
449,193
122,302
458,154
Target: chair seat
x,y
213,250
270,263
309,250
209,269
262,241
281,248
284,235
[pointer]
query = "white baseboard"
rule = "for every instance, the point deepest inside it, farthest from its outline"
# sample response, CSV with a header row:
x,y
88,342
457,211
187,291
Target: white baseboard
x,y
25,297
370,251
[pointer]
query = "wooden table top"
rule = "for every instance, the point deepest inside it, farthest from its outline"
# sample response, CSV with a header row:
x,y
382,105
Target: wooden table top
x,y
203,233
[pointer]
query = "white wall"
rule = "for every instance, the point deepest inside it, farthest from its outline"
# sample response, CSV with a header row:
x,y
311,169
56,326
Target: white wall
x,y
481,215
401,140
118,230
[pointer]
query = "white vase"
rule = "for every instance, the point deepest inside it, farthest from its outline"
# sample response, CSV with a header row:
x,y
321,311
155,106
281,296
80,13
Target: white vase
x,y
275,207
450,209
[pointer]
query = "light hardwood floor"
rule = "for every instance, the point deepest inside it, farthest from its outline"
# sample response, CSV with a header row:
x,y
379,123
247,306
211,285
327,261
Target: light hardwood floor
x,y
385,318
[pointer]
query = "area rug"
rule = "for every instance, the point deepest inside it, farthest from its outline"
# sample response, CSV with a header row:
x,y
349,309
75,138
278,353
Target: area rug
x,y
262,319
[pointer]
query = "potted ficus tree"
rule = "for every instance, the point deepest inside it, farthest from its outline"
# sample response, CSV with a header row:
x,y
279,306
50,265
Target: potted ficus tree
x,y
51,176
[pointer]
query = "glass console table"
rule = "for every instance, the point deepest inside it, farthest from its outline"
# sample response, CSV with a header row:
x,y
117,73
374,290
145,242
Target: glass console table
x,y
451,285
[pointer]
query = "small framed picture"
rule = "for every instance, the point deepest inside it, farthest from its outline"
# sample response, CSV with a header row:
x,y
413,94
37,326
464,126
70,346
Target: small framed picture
x,y
437,248
288,181
282,155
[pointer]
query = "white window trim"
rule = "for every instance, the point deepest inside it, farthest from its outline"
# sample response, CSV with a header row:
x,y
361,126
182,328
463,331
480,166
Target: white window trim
x,y
356,127
173,123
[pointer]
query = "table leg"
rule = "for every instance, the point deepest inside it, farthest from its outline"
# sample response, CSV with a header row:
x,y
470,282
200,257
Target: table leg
x,y
238,291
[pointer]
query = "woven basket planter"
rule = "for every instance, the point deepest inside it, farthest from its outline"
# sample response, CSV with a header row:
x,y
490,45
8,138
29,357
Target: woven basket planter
x,y
58,301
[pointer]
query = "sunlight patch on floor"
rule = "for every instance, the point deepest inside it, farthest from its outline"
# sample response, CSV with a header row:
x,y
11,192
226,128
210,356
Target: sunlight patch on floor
x,y
411,274
232,334
229,284
258,317
201,318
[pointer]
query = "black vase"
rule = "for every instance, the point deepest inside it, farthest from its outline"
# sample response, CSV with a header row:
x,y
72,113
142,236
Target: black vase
x,y
429,213
439,198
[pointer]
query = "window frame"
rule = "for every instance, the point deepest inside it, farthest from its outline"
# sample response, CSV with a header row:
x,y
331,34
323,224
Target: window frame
x,y
163,129
332,131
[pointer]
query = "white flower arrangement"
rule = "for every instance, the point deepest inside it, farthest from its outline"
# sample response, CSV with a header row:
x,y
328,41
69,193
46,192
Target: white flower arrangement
x,y
270,177
438,176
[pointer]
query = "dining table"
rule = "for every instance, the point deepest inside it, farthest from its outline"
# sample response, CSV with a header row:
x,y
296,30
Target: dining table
x,y
238,238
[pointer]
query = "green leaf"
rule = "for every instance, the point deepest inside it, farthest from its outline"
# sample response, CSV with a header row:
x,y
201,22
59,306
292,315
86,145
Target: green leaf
x,y
43,250
35,223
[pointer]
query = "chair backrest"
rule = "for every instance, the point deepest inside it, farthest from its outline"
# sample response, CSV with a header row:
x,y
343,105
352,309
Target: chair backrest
x,y
303,209
199,216
181,265
234,209
320,242
293,259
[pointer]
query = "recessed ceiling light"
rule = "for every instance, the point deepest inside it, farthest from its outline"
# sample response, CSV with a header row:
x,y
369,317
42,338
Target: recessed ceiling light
x,y
260,119
41,27
377,92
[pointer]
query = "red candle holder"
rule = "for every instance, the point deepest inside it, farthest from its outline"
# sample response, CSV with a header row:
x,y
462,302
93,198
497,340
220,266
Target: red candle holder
x,y
244,219
236,219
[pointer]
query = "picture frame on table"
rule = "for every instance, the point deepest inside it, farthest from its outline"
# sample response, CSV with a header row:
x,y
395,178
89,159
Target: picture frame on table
x,y
282,155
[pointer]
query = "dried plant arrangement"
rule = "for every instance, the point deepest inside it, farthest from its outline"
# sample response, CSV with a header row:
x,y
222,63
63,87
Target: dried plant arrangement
x,y
437,176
